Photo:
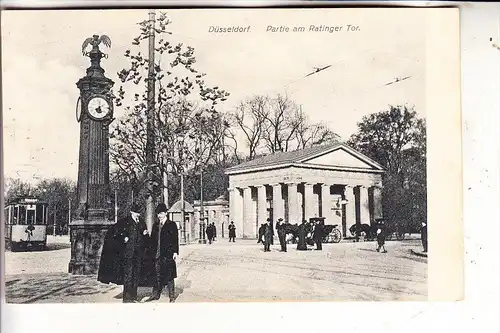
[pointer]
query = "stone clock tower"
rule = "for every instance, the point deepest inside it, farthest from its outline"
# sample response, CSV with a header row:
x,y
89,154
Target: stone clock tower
x,y
94,112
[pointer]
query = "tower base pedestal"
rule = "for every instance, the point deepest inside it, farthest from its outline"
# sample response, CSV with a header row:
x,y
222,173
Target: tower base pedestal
x,y
87,238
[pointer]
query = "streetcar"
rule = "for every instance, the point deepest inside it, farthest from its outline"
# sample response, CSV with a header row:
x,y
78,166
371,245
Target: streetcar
x,y
26,224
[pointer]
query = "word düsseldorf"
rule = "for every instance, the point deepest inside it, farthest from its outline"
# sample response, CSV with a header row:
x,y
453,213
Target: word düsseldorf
x,y
228,29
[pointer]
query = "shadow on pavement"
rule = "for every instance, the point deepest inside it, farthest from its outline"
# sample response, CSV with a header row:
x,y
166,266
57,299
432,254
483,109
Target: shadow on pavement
x,y
53,287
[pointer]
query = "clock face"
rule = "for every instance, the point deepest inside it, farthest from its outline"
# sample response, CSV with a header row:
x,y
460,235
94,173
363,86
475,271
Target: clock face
x,y
98,107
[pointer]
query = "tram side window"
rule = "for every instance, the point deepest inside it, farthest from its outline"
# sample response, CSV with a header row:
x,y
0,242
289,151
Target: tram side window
x,y
22,215
39,214
14,215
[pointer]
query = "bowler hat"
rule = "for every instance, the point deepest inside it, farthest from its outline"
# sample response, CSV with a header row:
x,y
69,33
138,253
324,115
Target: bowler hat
x,y
135,208
161,208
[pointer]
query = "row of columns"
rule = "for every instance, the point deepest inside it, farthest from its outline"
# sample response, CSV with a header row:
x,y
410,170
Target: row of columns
x,y
242,212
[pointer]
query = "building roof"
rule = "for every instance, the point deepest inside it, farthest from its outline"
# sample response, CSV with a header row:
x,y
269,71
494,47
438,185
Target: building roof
x,y
284,159
177,207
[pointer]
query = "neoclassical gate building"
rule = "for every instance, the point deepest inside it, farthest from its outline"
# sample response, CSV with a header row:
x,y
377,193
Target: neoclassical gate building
x,y
332,181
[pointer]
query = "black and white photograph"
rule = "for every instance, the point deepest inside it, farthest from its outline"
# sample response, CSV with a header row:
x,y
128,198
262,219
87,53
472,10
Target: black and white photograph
x,y
229,155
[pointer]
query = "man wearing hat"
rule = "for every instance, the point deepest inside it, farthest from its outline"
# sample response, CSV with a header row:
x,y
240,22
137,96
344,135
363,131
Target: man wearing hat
x,y
165,243
134,233
280,227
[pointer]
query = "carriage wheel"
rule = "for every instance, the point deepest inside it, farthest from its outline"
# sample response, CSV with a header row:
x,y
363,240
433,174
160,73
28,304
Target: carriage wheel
x,y
336,236
400,236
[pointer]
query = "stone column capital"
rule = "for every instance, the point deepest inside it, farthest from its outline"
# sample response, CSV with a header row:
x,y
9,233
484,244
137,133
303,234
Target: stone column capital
x,y
309,184
275,184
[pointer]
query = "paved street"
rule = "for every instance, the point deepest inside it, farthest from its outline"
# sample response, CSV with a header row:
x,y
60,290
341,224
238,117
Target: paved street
x,y
238,271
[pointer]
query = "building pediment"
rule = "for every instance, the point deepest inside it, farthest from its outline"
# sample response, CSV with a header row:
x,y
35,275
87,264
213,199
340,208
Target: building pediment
x,y
336,156
342,157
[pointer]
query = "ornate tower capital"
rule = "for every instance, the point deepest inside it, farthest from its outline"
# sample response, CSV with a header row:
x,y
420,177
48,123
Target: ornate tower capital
x,y
95,54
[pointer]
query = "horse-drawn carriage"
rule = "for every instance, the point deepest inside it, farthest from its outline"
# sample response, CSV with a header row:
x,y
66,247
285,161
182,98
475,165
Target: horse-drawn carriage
x,y
370,231
331,233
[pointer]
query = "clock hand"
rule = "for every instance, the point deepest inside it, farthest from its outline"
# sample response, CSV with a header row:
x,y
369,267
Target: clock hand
x,y
98,109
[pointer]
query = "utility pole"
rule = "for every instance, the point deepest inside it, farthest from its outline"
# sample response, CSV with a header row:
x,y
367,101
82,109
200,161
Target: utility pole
x,y
165,176
150,146
54,229
69,214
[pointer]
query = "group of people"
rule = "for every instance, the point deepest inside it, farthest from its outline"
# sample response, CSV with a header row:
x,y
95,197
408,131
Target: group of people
x,y
266,235
211,232
133,256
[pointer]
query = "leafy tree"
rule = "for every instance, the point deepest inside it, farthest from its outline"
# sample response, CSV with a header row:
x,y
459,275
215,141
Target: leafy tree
x,y
185,107
396,139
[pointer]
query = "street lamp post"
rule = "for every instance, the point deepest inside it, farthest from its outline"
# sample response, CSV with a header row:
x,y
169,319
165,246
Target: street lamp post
x,y
69,214
202,213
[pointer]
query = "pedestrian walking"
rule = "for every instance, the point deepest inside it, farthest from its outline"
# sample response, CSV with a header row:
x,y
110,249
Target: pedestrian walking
x,y
268,236
423,236
232,232
210,233
281,229
262,231
214,231
381,240
318,234
302,232
165,245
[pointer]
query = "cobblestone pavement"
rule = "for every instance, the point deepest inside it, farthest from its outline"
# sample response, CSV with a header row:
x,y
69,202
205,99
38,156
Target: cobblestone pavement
x,y
238,271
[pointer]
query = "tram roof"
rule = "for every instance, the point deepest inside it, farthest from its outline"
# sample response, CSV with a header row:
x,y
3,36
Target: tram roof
x,y
25,200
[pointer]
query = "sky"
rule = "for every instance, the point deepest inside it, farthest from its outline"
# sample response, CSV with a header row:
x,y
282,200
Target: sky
x,y
42,61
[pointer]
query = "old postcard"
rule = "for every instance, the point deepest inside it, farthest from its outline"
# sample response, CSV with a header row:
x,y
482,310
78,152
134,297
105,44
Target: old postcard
x,y
156,156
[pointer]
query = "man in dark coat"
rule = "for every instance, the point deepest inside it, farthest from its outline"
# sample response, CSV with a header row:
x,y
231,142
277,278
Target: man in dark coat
x,y
165,243
214,231
302,233
280,227
262,231
268,236
210,233
125,260
232,232
319,232
423,235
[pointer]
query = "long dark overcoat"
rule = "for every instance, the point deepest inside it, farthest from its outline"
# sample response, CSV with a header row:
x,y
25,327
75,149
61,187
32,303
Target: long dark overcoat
x,y
302,233
232,231
129,259
169,244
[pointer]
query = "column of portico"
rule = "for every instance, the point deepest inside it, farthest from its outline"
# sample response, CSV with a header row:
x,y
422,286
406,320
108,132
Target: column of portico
x,y
235,210
248,214
350,208
364,206
326,209
377,202
278,207
293,209
261,205
308,201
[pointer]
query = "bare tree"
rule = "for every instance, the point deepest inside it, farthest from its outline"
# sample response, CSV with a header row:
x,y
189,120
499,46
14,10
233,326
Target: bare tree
x,y
250,116
282,120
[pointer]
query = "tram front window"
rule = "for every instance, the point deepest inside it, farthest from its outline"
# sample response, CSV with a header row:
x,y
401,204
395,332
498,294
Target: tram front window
x,y
30,217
